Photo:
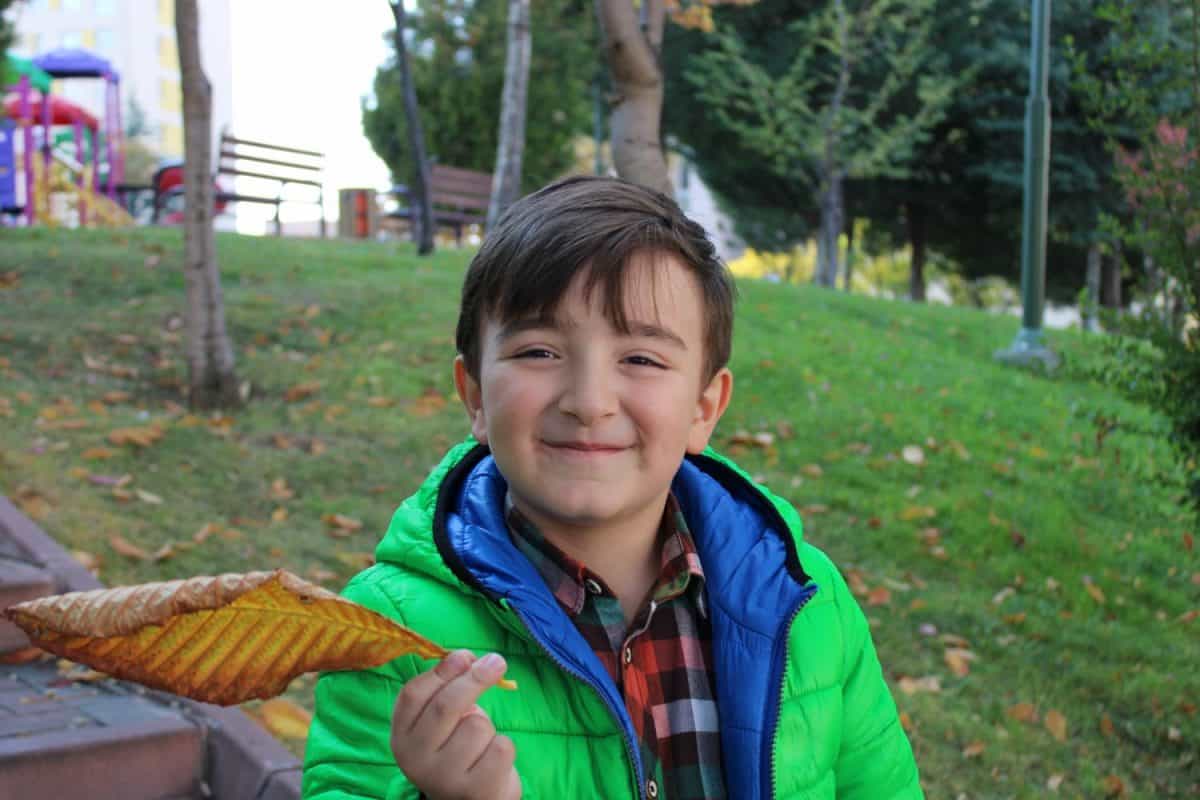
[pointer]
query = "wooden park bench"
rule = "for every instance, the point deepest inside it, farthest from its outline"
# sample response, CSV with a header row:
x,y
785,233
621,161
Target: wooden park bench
x,y
460,198
271,162
264,162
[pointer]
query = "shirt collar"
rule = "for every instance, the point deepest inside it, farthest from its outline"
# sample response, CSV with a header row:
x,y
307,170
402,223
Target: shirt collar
x,y
571,581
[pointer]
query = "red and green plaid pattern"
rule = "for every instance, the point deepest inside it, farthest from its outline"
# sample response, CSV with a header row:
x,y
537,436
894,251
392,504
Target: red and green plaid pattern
x,y
666,677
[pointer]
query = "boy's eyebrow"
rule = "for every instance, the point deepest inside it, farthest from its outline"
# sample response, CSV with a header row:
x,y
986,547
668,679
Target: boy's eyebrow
x,y
643,329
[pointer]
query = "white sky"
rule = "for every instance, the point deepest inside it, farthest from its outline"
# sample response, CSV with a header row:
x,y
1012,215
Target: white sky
x,y
300,70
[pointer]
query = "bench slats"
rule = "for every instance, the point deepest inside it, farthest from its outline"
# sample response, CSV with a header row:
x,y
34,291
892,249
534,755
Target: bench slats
x,y
298,151
224,170
275,162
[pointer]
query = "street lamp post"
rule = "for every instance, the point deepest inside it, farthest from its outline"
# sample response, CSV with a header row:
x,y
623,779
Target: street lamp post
x,y
1029,345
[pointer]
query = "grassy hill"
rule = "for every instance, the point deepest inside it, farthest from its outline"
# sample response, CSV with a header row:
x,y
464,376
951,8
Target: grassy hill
x,y
1032,588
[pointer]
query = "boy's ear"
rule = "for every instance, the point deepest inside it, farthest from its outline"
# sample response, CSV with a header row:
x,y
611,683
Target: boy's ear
x,y
714,399
472,399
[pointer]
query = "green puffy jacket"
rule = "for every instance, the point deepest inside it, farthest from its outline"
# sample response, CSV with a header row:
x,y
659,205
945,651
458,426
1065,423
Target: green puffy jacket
x,y
805,712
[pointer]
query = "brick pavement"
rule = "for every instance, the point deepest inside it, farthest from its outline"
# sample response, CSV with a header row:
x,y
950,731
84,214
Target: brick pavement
x,y
63,739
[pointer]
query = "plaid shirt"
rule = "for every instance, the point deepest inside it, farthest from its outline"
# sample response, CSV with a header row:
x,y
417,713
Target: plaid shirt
x,y
662,663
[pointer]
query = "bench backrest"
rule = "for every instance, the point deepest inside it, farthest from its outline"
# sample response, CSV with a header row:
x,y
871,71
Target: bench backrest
x,y
253,159
460,188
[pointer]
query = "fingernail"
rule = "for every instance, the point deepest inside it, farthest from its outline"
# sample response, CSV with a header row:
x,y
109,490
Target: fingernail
x,y
456,663
488,668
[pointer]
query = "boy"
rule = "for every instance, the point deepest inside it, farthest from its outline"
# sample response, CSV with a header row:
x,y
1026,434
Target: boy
x,y
671,633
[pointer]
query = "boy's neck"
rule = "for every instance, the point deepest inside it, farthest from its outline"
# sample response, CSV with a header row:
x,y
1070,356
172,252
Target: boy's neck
x,y
626,554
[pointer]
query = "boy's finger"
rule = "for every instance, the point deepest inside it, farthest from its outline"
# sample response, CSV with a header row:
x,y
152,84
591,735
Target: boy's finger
x,y
416,693
448,705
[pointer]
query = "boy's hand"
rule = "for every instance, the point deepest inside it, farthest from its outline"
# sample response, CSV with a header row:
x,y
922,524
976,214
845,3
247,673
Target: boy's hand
x,y
444,743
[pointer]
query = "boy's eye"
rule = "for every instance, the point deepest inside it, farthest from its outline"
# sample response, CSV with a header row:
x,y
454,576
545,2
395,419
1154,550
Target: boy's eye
x,y
643,361
534,352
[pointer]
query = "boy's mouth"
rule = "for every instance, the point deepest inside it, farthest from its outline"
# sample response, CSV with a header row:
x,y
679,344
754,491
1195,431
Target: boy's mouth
x,y
585,447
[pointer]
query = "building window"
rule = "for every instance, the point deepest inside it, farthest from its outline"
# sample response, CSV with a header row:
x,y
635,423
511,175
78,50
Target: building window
x,y
169,97
88,39
171,139
105,8
105,41
168,54
72,5
71,39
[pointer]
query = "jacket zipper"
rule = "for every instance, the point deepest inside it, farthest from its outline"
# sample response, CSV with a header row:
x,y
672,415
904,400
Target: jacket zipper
x,y
630,750
778,663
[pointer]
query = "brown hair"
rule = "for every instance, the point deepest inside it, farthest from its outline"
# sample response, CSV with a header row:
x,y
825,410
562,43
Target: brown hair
x,y
539,245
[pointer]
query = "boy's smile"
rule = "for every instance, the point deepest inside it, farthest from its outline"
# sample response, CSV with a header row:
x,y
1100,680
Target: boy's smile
x,y
588,424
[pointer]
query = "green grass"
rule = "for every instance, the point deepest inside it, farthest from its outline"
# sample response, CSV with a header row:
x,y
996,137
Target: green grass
x,y
1020,511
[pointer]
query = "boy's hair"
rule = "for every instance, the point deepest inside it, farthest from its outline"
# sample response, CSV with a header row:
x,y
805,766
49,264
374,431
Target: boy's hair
x,y
592,224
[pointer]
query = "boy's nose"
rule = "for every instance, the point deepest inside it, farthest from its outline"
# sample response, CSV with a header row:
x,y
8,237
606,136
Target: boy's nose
x,y
588,395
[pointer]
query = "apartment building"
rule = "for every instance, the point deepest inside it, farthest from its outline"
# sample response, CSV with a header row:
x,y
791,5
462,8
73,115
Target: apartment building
x,y
138,38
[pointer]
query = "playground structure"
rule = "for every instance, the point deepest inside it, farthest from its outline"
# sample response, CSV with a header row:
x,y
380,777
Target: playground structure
x,y
66,177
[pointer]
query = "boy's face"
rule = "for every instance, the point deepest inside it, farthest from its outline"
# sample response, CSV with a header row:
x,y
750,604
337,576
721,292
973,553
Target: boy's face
x,y
589,425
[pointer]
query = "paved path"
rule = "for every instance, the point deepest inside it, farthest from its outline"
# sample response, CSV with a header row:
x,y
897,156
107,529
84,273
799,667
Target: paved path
x,y
62,739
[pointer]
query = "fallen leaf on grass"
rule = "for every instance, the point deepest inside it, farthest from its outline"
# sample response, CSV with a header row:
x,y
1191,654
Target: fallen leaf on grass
x,y
918,512
280,490
380,402
1056,723
1106,726
959,660
1114,786
913,455
231,637
879,596
87,560
429,403
279,515
138,436
148,497
1023,712
974,749
301,391
1055,781
930,683
812,470
127,548
1093,590
32,502
284,718
97,453
340,525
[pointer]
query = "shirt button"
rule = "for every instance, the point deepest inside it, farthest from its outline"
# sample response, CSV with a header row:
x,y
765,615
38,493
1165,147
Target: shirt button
x,y
592,586
652,788
629,660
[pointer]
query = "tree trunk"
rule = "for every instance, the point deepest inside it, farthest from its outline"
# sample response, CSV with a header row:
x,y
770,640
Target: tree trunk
x,y
506,182
1110,288
212,380
832,173
419,201
831,232
1091,303
631,49
915,216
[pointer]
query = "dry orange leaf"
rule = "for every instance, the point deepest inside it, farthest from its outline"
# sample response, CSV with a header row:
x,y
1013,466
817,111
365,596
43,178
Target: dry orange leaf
x,y
1056,723
301,390
223,639
1023,712
879,596
959,660
1106,726
918,512
127,548
1114,786
340,525
284,718
139,437
974,749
